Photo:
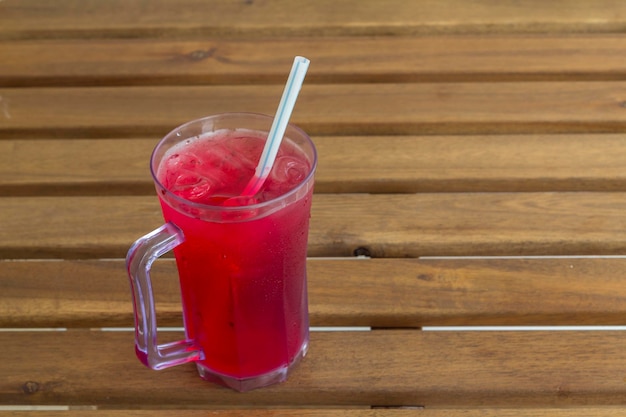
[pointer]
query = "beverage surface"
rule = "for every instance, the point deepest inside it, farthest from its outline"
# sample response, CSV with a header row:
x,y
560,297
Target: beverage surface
x,y
216,166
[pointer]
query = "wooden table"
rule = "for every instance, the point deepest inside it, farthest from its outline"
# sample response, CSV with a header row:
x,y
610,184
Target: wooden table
x,y
471,173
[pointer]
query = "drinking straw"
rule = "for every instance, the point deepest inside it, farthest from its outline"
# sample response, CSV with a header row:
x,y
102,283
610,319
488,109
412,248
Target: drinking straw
x,y
279,125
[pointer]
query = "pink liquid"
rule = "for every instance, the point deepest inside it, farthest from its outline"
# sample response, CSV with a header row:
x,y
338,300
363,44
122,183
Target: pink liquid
x,y
243,284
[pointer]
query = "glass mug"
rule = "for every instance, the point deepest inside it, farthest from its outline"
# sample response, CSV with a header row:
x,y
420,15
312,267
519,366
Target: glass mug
x,y
241,262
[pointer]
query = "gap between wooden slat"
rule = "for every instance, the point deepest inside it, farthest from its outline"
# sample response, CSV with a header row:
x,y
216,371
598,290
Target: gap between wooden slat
x,y
379,411
364,329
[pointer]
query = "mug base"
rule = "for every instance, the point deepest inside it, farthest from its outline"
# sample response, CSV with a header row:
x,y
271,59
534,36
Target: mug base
x,y
246,384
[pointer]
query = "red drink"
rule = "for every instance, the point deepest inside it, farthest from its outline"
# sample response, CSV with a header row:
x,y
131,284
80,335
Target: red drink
x,y
241,261
244,303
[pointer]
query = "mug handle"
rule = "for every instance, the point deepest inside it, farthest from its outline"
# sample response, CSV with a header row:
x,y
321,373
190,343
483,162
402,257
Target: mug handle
x,y
139,261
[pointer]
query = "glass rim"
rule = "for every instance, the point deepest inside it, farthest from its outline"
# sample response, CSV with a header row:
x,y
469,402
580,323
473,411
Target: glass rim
x,y
220,208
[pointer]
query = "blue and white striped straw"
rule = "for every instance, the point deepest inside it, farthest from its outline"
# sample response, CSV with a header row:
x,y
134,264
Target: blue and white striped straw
x,y
279,125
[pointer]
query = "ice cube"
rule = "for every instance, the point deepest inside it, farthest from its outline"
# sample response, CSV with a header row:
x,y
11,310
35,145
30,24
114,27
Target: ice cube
x,y
191,186
289,170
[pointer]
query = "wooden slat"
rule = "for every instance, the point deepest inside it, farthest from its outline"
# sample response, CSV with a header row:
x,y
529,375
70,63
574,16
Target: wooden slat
x,y
379,368
376,292
355,164
382,225
334,60
471,163
92,18
327,412
76,167
343,109
469,224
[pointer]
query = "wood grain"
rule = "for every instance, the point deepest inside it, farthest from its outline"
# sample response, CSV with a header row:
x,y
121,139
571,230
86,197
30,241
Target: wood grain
x,y
378,368
383,293
391,164
340,109
479,224
381,225
94,62
348,164
84,19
